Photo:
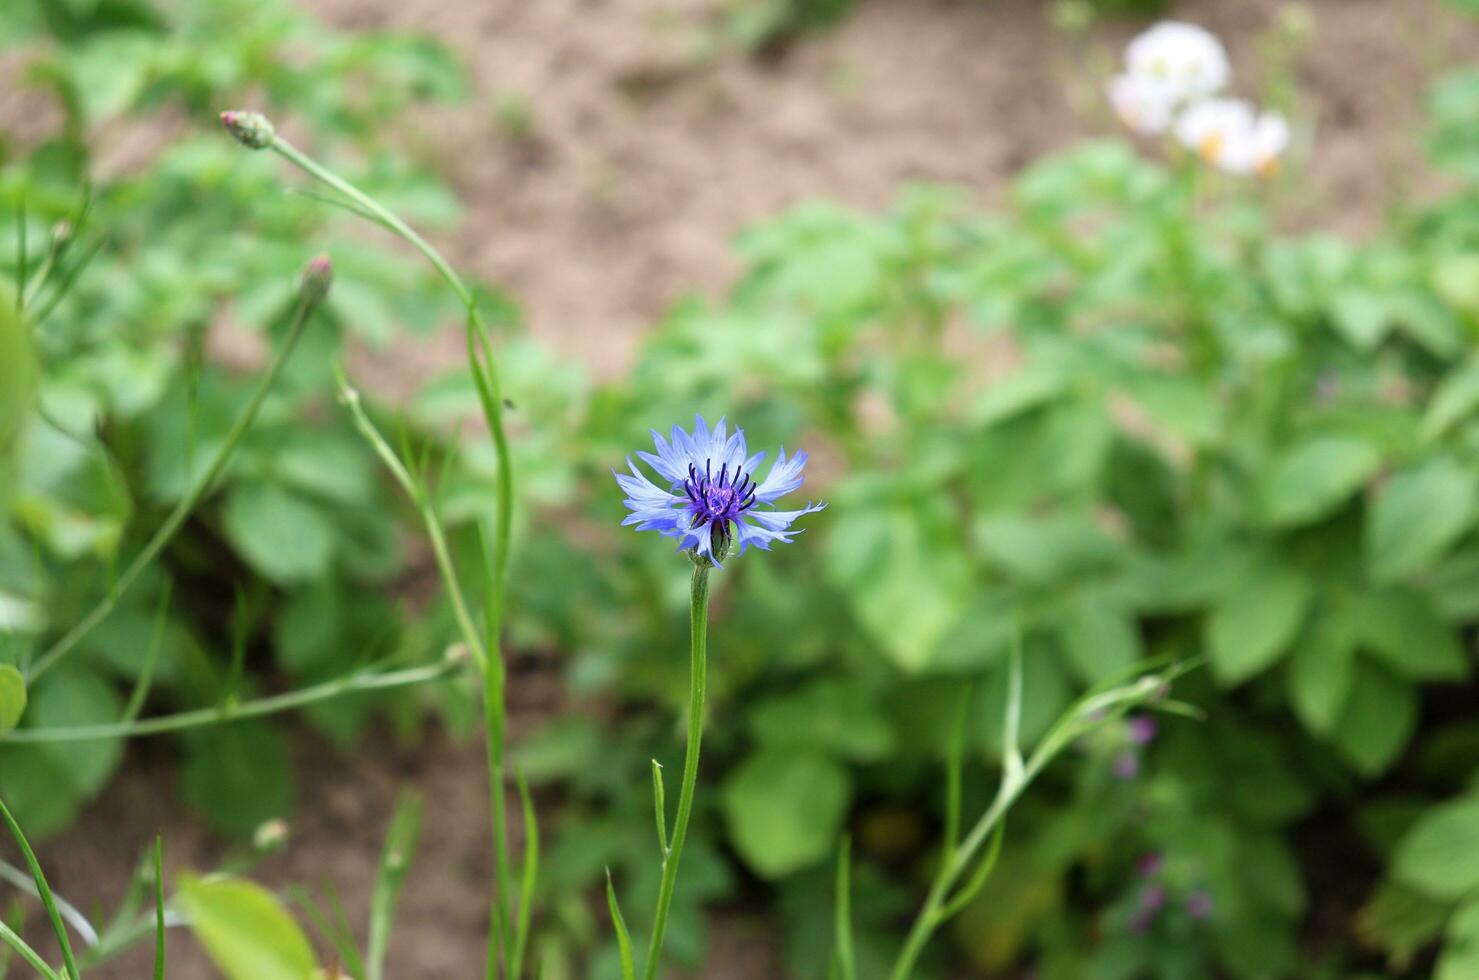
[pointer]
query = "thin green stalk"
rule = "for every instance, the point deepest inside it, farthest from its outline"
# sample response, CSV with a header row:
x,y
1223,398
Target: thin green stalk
x,y
395,860
74,918
698,670
485,378
22,260
27,953
530,875
352,684
1089,711
158,908
172,524
623,938
47,899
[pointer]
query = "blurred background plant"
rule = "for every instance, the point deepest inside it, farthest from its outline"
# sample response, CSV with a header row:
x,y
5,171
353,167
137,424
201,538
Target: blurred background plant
x,y
159,266
1126,408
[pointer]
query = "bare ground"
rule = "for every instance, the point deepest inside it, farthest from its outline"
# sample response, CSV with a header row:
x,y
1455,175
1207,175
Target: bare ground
x,y
643,157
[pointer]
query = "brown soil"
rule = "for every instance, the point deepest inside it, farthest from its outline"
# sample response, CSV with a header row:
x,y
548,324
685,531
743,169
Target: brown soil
x,y
641,162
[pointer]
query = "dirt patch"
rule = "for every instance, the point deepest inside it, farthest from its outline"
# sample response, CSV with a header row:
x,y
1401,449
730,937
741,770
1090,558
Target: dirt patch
x,y
607,164
640,158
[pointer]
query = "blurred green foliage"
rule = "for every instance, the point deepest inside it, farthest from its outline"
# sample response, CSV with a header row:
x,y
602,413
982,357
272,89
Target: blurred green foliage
x,y
1123,411
161,263
1129,414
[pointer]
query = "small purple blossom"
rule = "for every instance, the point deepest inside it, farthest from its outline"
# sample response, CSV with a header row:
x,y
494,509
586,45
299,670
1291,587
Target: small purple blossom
x,y
1141,729
1150,863
1153,898
1199,904
1125,766
713,499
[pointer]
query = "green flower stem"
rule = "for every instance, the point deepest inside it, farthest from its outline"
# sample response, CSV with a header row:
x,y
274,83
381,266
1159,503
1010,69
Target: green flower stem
x,y
301,315
698,670
352,684
1087,713
490,395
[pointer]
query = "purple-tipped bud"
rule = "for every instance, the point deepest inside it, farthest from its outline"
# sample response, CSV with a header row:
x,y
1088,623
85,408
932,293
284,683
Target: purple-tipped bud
x,y
318,275
1125,766
1150,864
251,129
1199,904
1153,898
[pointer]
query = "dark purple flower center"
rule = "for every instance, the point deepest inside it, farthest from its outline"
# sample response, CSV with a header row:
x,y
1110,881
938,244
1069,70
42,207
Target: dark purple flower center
x,y
718,501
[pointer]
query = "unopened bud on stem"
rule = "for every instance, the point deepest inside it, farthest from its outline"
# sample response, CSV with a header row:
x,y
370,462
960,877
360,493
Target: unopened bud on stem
x,y
251,129
314,285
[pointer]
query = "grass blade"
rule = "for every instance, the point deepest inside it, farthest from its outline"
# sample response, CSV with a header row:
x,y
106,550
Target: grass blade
x,y
47,899
978,878
660,805
151,657
395,861
623,938
158,908
530,874
27,953
954,772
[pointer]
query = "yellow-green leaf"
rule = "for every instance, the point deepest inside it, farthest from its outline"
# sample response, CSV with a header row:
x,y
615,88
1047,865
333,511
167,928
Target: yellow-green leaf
x,y
245,930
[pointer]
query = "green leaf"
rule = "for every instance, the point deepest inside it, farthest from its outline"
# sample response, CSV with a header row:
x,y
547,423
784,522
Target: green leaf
x,y
1440,854
245,929
1099,639
1460,959
1418,516
827,715
1378,720
45,783
783,809
1400,921
1255,623
907,583
1361,316
12,698
1322,673
238,774
282,536
1315,477
1454,401
1405,630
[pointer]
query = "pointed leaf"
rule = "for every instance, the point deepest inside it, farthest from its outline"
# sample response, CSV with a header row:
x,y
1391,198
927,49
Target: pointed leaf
x,y
245,930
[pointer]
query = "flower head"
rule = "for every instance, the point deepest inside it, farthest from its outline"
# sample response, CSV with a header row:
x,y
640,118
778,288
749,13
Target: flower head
x,y
713,499
1144,103
1187,58
1232,136
251,129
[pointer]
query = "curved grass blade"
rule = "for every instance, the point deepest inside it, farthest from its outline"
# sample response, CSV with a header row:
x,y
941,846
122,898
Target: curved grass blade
x,y
623,938
47,899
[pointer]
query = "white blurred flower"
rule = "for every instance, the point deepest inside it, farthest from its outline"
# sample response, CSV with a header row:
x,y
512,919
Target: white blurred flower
x,y
1232,136
1145,104
1188,58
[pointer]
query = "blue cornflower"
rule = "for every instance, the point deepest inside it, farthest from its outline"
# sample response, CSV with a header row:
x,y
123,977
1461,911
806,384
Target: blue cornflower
x,y
712,501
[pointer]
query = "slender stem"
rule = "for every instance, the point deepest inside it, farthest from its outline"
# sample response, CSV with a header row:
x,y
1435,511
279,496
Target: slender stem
x,y
485,377
1083,715
698,669
27,953
44,890
176,519
353,684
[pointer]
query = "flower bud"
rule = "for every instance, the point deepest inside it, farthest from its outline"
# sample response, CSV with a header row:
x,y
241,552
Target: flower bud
x,y
251,129
270,835
313,285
